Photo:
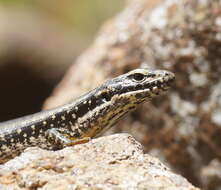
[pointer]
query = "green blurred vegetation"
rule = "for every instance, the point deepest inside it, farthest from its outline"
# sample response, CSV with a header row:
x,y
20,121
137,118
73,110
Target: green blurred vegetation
x,y
83,16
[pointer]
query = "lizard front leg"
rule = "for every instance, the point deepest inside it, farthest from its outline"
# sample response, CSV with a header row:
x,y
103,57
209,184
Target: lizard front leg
x,y
63,138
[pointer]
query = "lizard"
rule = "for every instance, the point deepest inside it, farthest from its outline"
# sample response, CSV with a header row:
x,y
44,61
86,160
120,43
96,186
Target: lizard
x,y
85,117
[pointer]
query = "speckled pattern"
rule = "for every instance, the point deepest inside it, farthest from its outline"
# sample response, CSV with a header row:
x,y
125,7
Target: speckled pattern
x,y
111,162
85,117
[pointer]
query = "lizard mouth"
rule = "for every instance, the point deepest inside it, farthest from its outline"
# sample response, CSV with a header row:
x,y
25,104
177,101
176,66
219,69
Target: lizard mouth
x,y
153,88
157,86
162,84
165,82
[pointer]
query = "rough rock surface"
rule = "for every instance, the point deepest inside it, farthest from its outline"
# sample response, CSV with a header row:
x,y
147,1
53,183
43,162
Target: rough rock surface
x,y
183,128
113,162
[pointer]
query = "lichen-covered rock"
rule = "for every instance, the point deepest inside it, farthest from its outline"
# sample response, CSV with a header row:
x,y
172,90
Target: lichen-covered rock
x,y
184,127
112,162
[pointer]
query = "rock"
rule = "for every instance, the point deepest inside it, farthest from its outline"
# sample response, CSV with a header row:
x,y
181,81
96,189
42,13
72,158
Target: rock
x,y
211,175
111,162
182,128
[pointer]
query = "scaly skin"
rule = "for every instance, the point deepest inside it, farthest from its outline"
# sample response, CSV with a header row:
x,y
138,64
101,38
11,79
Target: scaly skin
x,y
85,117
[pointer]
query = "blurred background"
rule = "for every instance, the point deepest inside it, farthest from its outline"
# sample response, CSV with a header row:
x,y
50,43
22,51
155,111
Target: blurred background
x,y
39,40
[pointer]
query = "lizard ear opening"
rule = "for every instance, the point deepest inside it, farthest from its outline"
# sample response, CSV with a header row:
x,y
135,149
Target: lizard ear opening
x,y
105,96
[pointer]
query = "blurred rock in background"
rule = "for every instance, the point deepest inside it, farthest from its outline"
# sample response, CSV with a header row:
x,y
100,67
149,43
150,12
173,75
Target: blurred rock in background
x,y
182,128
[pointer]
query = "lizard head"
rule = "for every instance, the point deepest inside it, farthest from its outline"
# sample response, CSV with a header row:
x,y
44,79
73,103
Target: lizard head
x,y
118,96
137,85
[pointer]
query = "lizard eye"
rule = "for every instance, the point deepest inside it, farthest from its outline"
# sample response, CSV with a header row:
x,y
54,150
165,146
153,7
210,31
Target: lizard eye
x,y
138,77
